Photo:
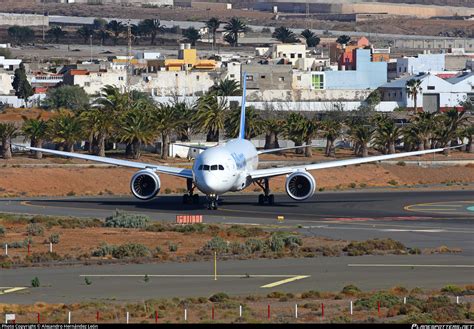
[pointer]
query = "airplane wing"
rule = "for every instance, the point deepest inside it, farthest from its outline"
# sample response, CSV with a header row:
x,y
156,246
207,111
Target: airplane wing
x,y
272,172
198,147
283,149
174,171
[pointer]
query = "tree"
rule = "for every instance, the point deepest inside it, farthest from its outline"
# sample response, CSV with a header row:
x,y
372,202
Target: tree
x,y
8,130
65,129
468,133
103,35
20,34
293,129
115,28
311,39
167,120
35,129
448,125
85,32
192,35
21,85
310,129
137,129
413,89
227,87
234,27
284,35
65,96
213,25
387,133
423,123
211,115
151,27
331,129
99,24
343,39
253,123
56,32
272,127
361,135
373,99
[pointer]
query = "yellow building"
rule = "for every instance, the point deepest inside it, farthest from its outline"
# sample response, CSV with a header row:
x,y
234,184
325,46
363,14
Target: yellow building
x,y
188,60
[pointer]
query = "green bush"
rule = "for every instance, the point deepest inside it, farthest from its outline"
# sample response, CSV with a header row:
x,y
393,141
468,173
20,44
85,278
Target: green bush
x,y
350,290
219,297
386,300
126,220
34,229
217,244
131,250
237,248
311,294
373,246
276,243
35,283
87,281
42,257
254,245
352,185
276,294
103,250
2,230
244,232
401,163
15,244
190,228
392,182
172,247
54,238
452,289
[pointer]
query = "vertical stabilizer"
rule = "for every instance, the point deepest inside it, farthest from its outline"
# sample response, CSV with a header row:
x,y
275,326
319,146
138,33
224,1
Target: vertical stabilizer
x,y
242,110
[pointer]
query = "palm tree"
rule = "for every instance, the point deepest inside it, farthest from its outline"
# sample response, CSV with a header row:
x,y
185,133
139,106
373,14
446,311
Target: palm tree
x,y
361,135
66,129
234,27
115,28
387,133
185,113
56,32
310,129
423,125
468,133
227,87
137,129
413,89
213,25
284,35
448,126
343,40
167,120
331,129
85,32
311,39
8,130
293,129
211,115
103,35
192,35
253,123
151,27
272,127
35,129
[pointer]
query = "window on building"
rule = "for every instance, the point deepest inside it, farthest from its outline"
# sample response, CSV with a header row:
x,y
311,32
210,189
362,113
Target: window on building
x,y
317,81
300,55
431,87
292,56
281,79
262,77
87,84
298,78
120,78
190,66
197,77
249,77
232,76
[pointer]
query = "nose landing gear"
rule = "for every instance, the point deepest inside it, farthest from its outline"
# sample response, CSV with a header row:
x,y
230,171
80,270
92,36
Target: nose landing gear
x,y
212,201
266,197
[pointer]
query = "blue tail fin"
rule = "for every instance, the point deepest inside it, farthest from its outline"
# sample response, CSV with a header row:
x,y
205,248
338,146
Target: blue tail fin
x,y
242,110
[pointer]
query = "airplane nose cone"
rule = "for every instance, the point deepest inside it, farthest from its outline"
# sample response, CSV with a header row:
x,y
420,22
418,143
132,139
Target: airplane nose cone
x,y
209,183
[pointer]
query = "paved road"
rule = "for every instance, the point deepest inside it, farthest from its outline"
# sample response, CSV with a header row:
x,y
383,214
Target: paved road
x,y
67,284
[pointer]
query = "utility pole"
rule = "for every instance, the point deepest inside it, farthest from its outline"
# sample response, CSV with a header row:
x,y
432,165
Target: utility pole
x,y
129,59
90,41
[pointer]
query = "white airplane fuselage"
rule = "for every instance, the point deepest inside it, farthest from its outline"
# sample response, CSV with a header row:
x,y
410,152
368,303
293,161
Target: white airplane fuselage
x,y
225,168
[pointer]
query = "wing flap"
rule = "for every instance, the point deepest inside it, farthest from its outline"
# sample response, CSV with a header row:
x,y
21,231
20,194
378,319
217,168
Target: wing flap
x,y
174,171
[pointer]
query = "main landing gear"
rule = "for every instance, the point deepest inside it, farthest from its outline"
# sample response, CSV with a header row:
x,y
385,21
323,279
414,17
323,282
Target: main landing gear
x,y
190,197
212,201
266,197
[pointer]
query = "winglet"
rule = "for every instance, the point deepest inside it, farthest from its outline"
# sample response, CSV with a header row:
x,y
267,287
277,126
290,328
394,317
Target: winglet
x,y
242,110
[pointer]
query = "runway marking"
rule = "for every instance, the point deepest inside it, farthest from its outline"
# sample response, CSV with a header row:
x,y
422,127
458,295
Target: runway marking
x,y
410,265
278,283
412,230
8,290
193,275
443,208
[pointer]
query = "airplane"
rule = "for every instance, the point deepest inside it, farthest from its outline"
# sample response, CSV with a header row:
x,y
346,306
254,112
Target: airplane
x,y
229,167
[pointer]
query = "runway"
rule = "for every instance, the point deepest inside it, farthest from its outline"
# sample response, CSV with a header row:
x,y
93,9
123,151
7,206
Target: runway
x,y
423,219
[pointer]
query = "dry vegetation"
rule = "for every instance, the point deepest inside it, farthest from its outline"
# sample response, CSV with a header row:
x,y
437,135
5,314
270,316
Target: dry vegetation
x,y
115,240
436,306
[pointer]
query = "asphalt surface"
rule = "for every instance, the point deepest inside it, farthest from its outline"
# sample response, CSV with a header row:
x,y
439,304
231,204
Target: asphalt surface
x,y
423,219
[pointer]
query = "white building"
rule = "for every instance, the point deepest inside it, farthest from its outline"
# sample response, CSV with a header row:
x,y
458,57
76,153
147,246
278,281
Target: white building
x,y
93,82
9,64
6,79
422,63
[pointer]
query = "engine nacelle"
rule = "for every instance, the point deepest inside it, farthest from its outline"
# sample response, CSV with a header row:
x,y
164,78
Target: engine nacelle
x,y
300,185
145,184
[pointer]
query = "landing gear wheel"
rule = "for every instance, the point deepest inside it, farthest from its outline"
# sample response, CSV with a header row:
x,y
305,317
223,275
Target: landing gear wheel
x,y
212,202
195,199
266,197
271,199
261,199
186,199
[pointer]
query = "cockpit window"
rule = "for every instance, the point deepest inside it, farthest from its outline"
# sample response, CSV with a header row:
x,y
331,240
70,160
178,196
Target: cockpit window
x,y
214,167
200,167
205,167
221,167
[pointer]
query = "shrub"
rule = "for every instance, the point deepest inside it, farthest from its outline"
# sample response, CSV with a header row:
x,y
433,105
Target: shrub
x,y
237,248
103,250
350,290
244,232
172,247
352,185
386,300
87,281
392,182
34,229
254,245
311,294
126,220
190,228
452,289
41,257
54,238
276,294
15,244
292,240
35,283
131,250
373,246
216,244
219,297
276,243
2,230
401,163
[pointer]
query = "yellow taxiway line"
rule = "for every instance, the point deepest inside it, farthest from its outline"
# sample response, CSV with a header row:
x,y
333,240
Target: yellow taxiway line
x,y
412,265
278,283
7,290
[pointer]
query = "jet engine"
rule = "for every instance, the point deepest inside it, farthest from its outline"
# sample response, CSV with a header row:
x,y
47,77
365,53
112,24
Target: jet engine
x,y
300,185
145,184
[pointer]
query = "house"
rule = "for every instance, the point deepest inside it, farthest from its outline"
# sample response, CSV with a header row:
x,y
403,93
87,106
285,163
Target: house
x,y
187,60
420,63
94,81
